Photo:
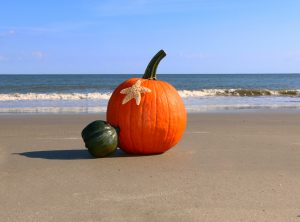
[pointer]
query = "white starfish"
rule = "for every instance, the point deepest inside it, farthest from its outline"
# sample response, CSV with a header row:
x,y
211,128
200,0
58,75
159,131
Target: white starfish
x,y
134,92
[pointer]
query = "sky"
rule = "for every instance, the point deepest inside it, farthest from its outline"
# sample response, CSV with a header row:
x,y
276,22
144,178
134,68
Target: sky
x,y
121,36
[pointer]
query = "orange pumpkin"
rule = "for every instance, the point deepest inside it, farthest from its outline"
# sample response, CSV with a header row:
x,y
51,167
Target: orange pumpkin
x,y
149,113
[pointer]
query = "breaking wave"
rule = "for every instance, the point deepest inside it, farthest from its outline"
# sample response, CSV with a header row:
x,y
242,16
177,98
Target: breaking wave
x,y
239,92
182,93
54,96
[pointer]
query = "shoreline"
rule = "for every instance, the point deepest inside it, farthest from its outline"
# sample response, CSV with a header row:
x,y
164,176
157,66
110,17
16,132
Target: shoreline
x,y
227,167
217,111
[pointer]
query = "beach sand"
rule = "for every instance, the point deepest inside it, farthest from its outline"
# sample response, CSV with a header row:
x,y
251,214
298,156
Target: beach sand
x,y
228,167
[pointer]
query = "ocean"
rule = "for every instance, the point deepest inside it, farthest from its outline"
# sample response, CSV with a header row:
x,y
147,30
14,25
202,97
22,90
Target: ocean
x,y
200,92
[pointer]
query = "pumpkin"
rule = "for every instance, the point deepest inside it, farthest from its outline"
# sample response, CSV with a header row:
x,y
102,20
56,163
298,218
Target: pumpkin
x,y
100,138
149,113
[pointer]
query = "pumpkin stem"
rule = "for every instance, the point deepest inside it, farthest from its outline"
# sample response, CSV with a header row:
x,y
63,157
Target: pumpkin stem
x,y
150,72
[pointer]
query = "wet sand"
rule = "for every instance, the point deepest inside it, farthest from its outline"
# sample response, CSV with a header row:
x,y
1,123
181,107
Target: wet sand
x,y
227,167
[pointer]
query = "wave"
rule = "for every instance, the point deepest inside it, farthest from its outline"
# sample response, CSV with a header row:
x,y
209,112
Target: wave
x,y
54,96
53,110
238,92
182,93
204,108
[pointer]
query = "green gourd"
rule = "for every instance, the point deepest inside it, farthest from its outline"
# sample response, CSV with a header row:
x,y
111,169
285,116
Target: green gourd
x,y
100,138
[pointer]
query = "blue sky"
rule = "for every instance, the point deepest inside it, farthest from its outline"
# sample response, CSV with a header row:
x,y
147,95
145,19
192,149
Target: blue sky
x,y
199,36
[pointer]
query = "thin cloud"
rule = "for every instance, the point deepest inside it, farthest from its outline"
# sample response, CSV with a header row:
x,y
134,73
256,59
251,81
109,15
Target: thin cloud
x,y
16,29
115,7
24,56
39,54
63,26
8,33
3,58
293,56
147,7
194,55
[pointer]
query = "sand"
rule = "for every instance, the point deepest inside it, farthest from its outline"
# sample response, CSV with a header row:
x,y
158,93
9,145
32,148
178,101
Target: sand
x,y
228,167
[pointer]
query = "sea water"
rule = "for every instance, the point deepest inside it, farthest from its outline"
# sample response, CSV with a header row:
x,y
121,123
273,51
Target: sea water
x,y
200,92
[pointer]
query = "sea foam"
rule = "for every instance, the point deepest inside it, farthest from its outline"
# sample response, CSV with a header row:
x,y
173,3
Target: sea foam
x,y
54,96
238,92
182,93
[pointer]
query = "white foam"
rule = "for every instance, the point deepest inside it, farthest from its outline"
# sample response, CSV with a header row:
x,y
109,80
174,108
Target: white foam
x,y
54,96
183,93
237,92
208,108
56,110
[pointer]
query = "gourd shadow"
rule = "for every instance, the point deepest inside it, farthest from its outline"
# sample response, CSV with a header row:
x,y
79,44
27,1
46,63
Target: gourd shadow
x,y
74,154
58,154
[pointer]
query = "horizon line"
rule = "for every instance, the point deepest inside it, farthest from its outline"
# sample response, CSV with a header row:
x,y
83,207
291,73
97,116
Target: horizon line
x,y
236,73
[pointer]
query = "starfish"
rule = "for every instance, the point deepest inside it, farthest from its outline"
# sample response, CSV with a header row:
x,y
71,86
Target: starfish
x,y
134,92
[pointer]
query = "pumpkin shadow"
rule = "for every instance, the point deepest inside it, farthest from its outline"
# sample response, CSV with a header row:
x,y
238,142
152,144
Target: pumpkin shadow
x,y
75,154
120,153
57,154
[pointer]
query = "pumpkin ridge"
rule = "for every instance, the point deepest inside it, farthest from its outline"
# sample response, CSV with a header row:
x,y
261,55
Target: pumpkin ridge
x,y
143,100
162,84
113,113
179,106
130,125
118,116
155,131
149,138
176,120
122,119
142,122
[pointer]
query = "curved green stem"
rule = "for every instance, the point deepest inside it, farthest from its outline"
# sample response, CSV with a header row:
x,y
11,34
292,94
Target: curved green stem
x,y
150,72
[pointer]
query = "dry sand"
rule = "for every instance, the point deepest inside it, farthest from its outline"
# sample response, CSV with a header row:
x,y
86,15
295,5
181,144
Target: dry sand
x,y
228,167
